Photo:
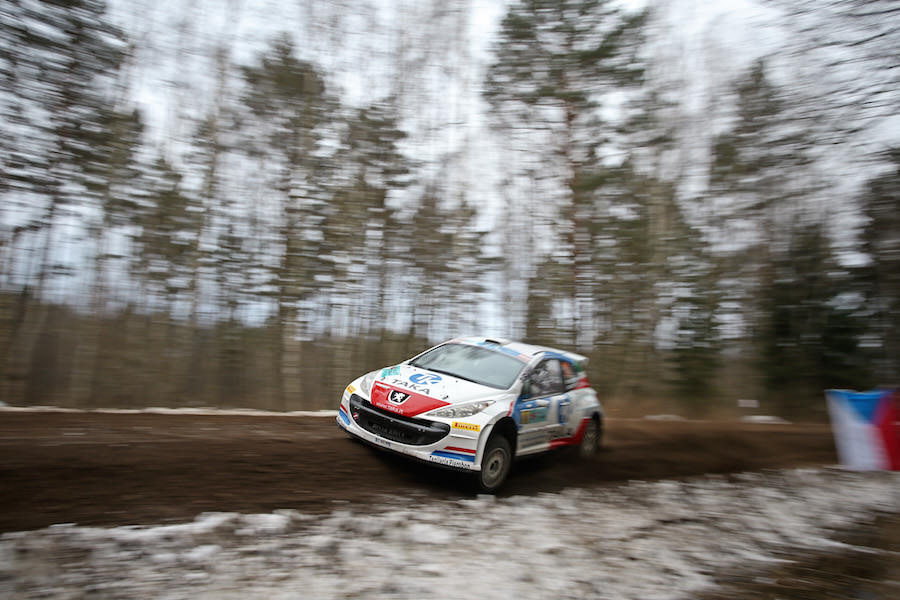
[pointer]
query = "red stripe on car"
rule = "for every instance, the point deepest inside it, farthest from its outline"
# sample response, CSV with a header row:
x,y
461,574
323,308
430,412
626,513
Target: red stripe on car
x,y
455,449
574,439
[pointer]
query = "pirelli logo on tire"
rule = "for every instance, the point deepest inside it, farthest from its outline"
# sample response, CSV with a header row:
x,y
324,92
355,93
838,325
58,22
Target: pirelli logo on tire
x,y
466,426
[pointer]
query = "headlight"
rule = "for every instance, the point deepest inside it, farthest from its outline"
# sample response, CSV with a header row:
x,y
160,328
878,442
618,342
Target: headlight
x,y
367,381
461,410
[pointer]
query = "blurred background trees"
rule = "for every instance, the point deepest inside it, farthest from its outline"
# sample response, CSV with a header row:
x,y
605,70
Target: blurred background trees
x,y
205,205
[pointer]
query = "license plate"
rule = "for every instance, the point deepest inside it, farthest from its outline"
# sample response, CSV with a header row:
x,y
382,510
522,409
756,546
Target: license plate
x,y
382,442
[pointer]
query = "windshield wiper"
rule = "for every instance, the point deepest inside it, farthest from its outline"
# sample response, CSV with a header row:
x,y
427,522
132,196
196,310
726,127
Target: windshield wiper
x,y
442,372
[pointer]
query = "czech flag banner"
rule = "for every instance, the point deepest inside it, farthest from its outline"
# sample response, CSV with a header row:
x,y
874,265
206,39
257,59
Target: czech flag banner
x,y
866,428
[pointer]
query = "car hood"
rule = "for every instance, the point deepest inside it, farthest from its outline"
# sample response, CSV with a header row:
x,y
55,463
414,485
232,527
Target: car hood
x,y
410,391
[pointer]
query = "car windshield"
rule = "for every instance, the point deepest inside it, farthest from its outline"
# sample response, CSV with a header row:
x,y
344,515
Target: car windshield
x,y
473,363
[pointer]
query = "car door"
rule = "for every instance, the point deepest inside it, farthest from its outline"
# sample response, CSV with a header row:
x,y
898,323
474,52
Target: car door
x,y
538,410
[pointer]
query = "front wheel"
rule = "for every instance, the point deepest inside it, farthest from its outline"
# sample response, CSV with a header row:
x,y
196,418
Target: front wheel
x,y
495,464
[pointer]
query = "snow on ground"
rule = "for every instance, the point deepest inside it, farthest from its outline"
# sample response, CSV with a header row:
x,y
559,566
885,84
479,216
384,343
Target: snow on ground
x,y
246,412
647,540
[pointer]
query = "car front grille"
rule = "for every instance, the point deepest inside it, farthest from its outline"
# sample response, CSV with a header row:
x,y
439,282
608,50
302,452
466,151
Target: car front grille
x,y
395,428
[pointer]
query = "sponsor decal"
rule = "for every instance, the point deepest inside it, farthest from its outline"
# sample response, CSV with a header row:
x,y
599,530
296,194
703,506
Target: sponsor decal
x,y
425,378
534,415
350,389
397,397
402,401
410,386
466,426
388,371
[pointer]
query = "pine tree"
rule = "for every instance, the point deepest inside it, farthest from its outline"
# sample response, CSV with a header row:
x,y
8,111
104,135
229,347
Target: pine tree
x,y
58,59
554,64
61,159
880,279
812,340
170,222
357,225
288,108
760,183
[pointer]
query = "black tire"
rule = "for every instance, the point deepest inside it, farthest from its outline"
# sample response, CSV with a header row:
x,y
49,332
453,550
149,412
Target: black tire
x,y
590,440
495,464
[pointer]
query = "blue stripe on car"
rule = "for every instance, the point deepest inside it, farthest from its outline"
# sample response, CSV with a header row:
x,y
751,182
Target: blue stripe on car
x,y
453,455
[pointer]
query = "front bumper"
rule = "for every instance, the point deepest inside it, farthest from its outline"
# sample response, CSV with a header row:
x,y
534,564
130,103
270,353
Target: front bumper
x,y
431,441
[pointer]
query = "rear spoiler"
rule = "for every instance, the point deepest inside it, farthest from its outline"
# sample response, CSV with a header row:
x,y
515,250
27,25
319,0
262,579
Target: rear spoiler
x,y
571,356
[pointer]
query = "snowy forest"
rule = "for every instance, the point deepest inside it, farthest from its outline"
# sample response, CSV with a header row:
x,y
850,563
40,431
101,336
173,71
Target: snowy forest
x,y
240,203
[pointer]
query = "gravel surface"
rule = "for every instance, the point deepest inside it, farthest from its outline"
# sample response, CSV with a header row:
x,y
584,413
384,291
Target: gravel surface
x,y
136,469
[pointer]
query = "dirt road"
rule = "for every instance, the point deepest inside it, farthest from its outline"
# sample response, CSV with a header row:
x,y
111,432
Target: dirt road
x,y
117,469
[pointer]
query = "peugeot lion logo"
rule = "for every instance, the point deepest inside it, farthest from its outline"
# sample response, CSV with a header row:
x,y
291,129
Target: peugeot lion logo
x,y
396,397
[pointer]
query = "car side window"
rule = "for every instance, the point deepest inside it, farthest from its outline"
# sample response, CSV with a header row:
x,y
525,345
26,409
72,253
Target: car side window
x,y
546,379
571,374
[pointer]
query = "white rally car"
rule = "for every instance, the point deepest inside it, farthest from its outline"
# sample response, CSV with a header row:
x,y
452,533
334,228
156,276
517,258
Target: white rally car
x,y
474,404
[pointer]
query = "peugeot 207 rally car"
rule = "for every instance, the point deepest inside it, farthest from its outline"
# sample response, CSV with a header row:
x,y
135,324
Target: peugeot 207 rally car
x,y
474,404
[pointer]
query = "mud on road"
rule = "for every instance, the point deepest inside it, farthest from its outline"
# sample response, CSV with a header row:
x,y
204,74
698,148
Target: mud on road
x,y
120,469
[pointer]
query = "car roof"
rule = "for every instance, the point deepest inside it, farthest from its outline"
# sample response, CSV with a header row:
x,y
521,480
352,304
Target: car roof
x,y
529,350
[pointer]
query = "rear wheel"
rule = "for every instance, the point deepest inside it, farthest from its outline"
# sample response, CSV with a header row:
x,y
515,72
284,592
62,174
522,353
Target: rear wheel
x,y
495,464
590,440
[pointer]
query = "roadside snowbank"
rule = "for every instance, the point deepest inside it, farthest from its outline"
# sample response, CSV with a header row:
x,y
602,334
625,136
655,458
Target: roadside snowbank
x,y
648,540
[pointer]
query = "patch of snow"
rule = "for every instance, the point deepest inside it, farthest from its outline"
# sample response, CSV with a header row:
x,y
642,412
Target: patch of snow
x,y
202,554
38,409
175,411
767,419
660,540
425,533
265,524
